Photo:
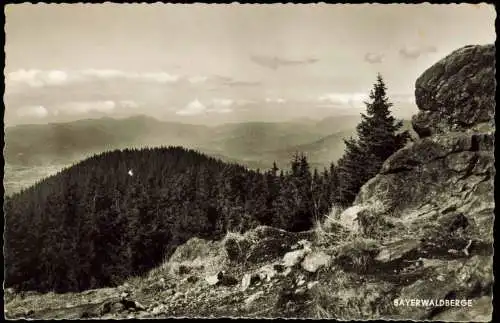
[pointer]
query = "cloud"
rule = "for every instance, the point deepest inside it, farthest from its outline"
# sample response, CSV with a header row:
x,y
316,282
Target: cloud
x,y
160,77
221,106
277,100
84,107
103,74
37,111
39,78
405,98
197,79
416,52
192,108
217,105
374,58
343,98
276,62
222,102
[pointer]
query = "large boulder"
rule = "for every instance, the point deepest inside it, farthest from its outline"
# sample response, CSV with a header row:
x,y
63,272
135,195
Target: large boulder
x,y
432,178
457,93
197,255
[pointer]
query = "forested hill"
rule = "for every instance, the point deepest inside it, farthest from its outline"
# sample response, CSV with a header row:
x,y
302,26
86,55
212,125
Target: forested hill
x,y
122,212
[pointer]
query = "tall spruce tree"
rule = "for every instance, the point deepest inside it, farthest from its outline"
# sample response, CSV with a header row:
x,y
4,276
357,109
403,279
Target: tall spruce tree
x,y
379,136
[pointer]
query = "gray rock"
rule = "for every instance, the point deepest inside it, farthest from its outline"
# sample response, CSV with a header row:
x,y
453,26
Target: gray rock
x,y
212,280
267,272
397,249
293,258
312,262
434,178
248,280
458,92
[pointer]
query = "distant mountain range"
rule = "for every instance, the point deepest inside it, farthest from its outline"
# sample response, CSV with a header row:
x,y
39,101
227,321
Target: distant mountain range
x,y
254,144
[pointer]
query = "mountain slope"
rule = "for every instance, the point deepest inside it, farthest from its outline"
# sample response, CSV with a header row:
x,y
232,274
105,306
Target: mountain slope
x,y
34,151
120,212
35,144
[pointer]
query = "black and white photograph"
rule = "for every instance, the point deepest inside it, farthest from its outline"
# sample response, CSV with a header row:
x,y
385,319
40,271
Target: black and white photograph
x,y
312,161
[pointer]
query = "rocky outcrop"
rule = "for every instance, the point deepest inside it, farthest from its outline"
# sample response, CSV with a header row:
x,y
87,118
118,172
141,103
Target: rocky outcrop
x,y
457,93
431,207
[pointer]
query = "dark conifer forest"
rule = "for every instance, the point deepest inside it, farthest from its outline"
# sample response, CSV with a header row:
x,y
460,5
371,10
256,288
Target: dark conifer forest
x,y
121,213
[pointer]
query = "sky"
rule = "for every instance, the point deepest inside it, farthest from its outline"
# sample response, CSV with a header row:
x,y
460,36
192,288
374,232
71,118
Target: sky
x,y
224,63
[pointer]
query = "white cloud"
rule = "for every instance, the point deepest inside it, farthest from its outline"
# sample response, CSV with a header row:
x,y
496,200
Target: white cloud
x,y
192,108
37,111
197,79
160,77
278,100
39,78
25,76
343,98
104,74
221,105
57,77
83,107
405,98
222,102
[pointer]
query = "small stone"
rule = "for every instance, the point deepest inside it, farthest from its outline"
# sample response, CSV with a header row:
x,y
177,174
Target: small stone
x,y
212,280
139,306
300,291
310,285
313,262
245,282
159,309
293,258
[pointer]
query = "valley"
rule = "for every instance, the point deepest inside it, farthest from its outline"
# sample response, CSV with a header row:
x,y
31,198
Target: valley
x,y
35,151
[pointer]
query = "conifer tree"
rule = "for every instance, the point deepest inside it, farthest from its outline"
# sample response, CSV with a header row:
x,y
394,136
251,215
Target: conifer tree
x,y
379,136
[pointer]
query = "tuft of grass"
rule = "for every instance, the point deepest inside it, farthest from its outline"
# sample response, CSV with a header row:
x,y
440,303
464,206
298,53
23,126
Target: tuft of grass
x,y
357,254
346,296
328,230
